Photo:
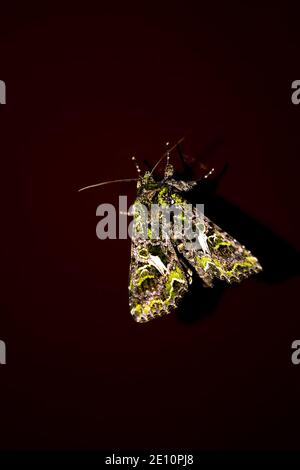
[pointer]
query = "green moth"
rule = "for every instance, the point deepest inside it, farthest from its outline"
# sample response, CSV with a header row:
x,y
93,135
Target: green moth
x,y
163,267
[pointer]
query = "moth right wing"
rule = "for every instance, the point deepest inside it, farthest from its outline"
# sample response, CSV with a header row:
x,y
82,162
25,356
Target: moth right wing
x,y
212,252
219,256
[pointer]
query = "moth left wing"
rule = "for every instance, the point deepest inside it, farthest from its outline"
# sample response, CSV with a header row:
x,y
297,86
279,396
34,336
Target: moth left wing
x,y
157,279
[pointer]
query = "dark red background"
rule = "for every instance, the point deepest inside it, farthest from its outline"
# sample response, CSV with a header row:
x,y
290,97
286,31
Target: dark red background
x,y
84,93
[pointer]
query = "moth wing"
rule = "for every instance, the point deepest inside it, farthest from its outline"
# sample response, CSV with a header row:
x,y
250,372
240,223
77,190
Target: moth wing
x,y
219,256
157,279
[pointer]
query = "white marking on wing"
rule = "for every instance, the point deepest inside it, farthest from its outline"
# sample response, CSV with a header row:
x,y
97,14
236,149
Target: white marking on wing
x,y
157,263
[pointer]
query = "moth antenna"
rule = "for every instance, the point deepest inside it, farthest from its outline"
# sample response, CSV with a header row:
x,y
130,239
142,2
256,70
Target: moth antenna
x,y
107,182
167,153
136,165
209,173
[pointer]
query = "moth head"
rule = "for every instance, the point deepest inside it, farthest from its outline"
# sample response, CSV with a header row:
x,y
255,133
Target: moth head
x,y
145,181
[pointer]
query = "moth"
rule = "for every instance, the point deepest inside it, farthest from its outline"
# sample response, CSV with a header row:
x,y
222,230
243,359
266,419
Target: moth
x,y
162,268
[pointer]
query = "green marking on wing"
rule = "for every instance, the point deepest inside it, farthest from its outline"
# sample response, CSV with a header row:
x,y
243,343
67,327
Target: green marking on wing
x,y
162,196
152,292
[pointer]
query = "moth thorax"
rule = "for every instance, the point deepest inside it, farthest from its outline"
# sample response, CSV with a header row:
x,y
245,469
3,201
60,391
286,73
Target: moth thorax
x,y
169,170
